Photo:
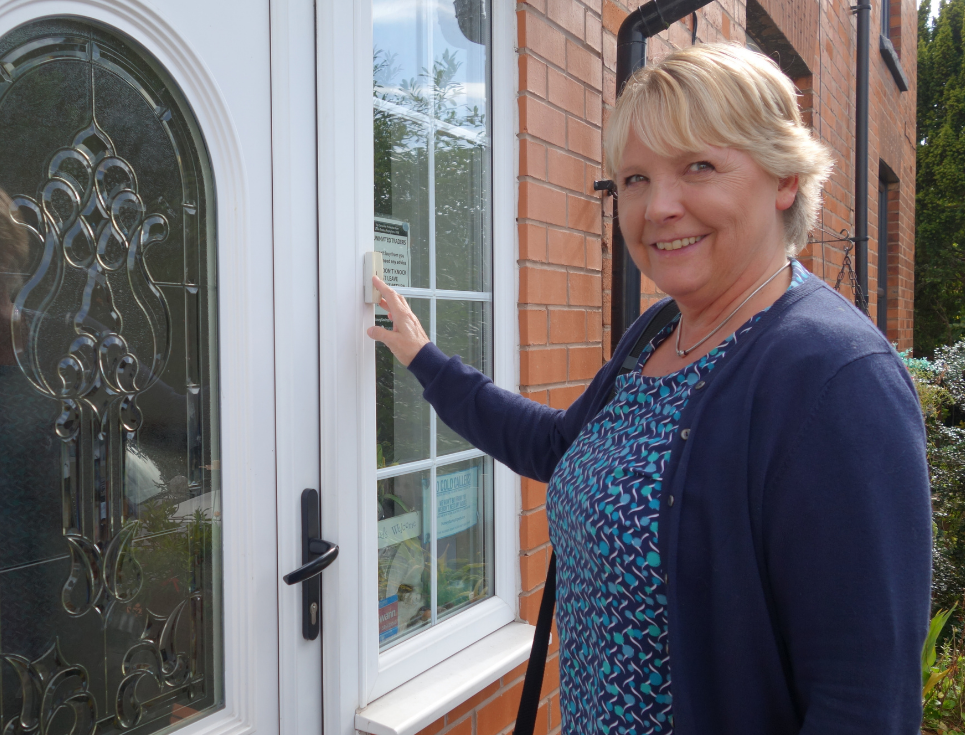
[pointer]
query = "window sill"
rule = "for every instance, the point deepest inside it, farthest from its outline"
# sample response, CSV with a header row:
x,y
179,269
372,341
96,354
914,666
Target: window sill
x,y
424,699
893,63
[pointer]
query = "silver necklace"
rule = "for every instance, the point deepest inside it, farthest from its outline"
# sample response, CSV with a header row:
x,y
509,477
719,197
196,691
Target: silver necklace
x,y
684,353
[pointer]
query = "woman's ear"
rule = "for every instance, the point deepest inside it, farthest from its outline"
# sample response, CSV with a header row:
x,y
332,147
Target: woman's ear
x,y
786,192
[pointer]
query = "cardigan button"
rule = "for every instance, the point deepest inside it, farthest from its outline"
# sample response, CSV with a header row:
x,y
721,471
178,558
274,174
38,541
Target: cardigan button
x,y
685,434
670,501
699,385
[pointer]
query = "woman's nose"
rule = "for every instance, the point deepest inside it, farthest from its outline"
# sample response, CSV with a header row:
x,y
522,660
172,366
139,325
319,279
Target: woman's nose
x,y
664,202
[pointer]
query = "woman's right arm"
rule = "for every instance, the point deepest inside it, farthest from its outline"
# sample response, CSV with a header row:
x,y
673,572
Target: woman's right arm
x,y
528,437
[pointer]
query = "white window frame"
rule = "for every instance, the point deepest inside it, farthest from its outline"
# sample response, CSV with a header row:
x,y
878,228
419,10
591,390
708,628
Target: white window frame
x,y
383,672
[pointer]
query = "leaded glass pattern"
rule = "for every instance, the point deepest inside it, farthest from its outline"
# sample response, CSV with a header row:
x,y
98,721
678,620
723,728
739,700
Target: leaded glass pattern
x,y
110,573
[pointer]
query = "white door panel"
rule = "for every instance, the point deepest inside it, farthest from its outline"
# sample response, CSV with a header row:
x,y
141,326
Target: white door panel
x,y
219,56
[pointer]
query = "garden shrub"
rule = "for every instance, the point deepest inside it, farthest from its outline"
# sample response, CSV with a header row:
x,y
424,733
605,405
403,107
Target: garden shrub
x,y
940,383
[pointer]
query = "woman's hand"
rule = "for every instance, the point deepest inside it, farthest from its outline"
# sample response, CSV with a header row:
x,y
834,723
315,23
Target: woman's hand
x,y
407,336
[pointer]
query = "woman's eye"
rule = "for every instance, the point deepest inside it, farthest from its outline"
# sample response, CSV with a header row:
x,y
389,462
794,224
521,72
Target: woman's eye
x,y
633,179
701,166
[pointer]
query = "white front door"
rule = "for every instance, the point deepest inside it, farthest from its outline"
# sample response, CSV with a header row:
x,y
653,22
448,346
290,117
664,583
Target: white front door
x,y
158,384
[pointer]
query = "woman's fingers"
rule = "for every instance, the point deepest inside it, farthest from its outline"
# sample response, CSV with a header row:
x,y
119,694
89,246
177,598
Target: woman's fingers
x,y
381,334
407,336
389,297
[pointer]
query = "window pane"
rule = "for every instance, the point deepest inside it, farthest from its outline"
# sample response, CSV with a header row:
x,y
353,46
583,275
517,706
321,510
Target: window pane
x,y
402,177
405,592
110,488
401,414
463,253
433,227
463,328
464,493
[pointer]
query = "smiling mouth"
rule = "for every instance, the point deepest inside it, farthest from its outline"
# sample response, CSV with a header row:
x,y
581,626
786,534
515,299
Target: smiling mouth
x,y
677,244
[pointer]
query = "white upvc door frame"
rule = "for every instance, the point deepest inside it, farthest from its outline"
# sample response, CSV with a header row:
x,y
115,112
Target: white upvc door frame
x,y
354,672
206,67
295,224
340,69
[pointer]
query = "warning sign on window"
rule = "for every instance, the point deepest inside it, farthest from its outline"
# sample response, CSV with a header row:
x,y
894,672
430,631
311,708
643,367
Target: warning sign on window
x,y
388,618
392,240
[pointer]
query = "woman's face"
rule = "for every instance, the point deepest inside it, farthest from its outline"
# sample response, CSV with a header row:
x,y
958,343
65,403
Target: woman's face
x,y
702,224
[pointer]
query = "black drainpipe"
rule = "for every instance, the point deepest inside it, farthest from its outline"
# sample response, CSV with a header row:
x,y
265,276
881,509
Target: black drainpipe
x,y
643,23
863,11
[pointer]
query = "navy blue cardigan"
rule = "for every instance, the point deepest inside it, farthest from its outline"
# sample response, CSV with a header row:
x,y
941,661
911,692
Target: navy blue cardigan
x,y
797,517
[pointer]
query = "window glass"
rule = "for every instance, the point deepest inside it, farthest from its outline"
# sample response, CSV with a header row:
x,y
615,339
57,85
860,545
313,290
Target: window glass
x,y
402,416
433,225
463,328
883,237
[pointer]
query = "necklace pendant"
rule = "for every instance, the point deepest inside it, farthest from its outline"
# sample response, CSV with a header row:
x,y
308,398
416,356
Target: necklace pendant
x,y
679,328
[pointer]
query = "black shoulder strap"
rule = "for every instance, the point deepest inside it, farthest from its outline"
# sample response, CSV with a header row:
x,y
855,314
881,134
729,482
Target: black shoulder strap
x,y
529,702
533,683
667,313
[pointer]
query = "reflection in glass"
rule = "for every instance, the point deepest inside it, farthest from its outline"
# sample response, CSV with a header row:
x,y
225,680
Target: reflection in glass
x,y
401,415
462,183
110,607
402,181
463,328
464,533
432,139
405,586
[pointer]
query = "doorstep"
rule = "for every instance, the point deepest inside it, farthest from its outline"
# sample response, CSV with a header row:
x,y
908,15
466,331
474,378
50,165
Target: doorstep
x,y
424,699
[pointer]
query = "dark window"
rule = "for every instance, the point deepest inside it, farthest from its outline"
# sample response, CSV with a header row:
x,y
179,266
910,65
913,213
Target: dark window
x,y
883,256
887,246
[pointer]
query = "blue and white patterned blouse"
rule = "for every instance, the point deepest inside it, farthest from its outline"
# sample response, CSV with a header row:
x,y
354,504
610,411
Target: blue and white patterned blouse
x,y
602,503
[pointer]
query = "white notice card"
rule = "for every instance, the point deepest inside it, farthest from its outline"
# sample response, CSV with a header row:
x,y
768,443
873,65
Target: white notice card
x,y
392,240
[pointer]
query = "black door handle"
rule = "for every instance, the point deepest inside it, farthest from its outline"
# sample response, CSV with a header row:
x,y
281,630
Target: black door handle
x,y
316,556
328,553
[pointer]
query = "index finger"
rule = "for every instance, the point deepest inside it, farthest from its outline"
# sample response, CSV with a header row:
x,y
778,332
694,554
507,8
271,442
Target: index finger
x,y
390,296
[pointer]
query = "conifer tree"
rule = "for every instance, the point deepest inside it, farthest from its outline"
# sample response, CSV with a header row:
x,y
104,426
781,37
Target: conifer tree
x,y
940,198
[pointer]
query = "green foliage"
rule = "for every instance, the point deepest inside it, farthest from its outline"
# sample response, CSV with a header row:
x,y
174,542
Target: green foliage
x,y
929,675
943,679
173,552
940,197
941,390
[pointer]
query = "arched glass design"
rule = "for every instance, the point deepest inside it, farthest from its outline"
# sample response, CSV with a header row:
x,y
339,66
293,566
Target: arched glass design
x,y
110,564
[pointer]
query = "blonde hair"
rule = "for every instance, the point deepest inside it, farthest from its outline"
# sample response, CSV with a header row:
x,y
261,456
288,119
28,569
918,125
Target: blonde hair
x,y
723,95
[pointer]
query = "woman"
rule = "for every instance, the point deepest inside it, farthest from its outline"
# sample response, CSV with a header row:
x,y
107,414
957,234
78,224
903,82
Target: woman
x,y
741,522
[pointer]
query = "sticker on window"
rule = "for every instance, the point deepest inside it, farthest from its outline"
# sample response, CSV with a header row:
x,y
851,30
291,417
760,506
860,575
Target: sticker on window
x,y
388,618
456,501
399,528
392,240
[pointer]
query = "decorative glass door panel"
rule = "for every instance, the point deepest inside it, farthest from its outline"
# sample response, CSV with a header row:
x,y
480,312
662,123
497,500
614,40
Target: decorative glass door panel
x,y
110,571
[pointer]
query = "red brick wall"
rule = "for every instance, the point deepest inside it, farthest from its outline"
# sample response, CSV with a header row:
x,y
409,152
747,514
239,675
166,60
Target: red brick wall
x,y
560,253
567,85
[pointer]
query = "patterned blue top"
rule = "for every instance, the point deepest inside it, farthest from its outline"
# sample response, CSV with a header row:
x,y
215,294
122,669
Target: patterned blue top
x,y
602,503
